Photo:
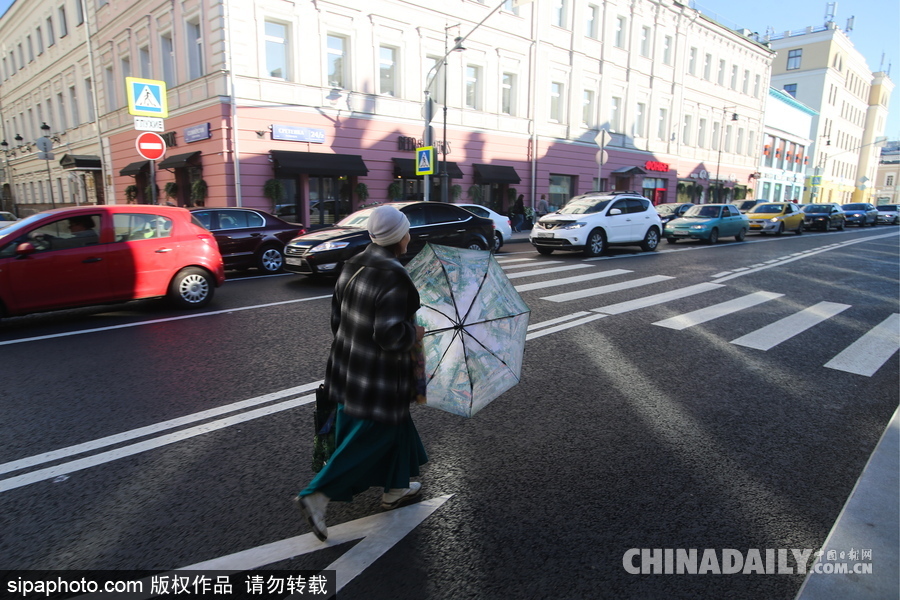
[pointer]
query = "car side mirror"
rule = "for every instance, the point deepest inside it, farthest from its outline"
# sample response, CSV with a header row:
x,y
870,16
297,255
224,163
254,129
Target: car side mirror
x,y
25,248
615,211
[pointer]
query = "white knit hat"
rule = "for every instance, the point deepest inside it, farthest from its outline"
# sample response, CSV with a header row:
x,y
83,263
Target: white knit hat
x,y
387,225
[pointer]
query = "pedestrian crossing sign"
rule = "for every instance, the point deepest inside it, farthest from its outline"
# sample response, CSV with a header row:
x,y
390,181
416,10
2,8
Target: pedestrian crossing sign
x,y
425,160
146,97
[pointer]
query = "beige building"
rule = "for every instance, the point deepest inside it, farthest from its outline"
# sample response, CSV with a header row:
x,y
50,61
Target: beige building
x,y
886,187
820,67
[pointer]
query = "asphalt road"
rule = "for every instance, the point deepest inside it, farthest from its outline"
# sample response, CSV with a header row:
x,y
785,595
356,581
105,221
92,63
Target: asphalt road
x,y
700,398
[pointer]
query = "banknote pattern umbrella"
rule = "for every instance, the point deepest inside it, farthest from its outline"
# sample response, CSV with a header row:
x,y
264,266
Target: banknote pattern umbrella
x,y
475,325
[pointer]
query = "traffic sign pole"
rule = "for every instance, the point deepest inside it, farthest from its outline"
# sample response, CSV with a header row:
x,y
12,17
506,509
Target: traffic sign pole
x,y
151,147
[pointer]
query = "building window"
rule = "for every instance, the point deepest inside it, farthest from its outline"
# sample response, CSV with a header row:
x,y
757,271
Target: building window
x,y
167,55
728,132
508,94
889,180
794,56
51,36
686,131
615,110
560,190
63,24
79,13
89,96
720,78
73,106
746,87
716,136
61,107
791,88
707,67
734,76
739,148
125,67
645,41
751,140
667,50
756,81
621,23
195,50
692,63
662,129
640,120
593,12
559,13
144,58
387,71
111,87
21,57
701,134
40,40
337,65
473,87
587,108
437,83
556,101
510,7
277,52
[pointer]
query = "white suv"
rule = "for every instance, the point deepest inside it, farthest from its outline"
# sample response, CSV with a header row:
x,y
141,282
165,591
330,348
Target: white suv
x,y
595,220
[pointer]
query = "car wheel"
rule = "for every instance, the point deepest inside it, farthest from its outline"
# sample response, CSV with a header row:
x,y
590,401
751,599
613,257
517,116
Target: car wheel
x,y
477,244
596,243
192,287
780,228
741,235
651,240
498,241
799,229
672,240
827,227
544,251
270,260
842,225
713,237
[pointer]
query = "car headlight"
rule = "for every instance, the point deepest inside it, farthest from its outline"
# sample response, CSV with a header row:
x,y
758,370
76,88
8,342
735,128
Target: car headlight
x,y
575,225
324,247
774,219
699,227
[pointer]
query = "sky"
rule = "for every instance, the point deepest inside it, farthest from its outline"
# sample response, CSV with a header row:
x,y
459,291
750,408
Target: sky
x,y
875,30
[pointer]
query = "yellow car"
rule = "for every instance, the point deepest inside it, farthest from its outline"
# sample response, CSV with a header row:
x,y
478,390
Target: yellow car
x,y
776,217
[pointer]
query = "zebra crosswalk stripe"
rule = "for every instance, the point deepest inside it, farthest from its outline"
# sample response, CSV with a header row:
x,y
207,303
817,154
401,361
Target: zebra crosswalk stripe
x,y
646,301
569,280
866,355
771,335
547,271
717,310
605,289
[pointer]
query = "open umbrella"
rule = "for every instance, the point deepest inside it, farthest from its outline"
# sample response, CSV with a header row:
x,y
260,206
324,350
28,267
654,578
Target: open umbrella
x,y
475,325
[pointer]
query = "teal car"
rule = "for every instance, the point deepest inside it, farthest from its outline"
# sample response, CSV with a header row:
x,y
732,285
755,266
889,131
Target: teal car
x,y
708,222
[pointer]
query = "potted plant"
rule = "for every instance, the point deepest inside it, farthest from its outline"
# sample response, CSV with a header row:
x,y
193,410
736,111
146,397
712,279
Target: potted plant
x,y
476,193
171,190
395,190
198,192
273,189
455,192
131,193
362,192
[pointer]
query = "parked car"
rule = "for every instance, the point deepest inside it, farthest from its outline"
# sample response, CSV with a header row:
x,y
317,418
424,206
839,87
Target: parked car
x,y
593,221
502,225
776,217
248,237
324,251
823,216
745,205
708,222
672,210
81,256
860,213
888,214
7,219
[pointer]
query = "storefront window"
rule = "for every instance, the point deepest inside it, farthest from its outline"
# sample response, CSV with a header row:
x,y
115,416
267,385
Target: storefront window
x,y
560,190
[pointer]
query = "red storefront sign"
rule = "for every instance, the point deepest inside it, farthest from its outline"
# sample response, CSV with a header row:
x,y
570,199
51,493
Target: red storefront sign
x,y
653,165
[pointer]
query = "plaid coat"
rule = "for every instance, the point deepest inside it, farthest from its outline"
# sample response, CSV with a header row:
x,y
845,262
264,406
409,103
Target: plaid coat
x,y
370,367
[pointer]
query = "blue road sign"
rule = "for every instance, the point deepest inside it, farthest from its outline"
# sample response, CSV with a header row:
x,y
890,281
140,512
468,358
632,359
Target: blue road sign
x,y
147,97
425,160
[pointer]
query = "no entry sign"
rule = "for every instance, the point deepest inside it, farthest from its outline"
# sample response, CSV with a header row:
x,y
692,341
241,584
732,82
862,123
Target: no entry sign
x,y
150,145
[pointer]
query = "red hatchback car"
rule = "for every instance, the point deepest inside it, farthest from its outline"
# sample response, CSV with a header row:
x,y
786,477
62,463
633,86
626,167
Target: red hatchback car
x,y
87,255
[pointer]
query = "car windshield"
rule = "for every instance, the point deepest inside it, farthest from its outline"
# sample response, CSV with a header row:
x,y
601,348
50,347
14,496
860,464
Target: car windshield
x,y
357,220
666,209
817,208
768,208
583,206
887,208
855,207
702,212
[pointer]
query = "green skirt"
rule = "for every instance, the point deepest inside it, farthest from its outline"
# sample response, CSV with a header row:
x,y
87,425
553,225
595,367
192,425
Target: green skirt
x,y
368,454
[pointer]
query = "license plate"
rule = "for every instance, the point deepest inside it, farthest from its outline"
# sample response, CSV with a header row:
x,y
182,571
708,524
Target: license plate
x,y
755,226
297,262
543,234
680,232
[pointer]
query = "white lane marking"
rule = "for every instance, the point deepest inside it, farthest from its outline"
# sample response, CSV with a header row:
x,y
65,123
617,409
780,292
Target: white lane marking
x,y
563,326
717,310
152,429
646,301
18,481
542,324
605,289
527,287
771,335
866,355
547,271
155,321
530,264
506,261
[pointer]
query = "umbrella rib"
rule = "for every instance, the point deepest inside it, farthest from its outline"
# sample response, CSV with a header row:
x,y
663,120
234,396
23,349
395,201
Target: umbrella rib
x,y
475,295
491,352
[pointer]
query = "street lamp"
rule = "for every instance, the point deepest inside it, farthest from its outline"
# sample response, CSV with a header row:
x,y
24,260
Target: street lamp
x,y
734,117
445,177
4,145
44,144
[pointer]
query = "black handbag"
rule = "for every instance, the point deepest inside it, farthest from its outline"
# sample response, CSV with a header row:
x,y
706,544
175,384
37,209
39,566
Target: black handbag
x,y
324,416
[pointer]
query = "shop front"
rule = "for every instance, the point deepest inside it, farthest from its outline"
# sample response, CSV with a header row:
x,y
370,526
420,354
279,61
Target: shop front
x,y
491,188
409,186
139,192
625,178
188,170
85,174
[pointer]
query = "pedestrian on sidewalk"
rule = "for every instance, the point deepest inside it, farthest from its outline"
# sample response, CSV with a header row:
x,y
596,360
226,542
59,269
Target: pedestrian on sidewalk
x,y
518,213
542,207
370,376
